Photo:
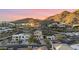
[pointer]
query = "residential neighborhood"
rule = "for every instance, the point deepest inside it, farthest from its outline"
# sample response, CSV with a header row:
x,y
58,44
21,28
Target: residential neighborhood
x,y
53,33
51,38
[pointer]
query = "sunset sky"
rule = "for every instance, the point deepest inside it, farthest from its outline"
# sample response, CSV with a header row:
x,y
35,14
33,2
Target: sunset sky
x,y
15,14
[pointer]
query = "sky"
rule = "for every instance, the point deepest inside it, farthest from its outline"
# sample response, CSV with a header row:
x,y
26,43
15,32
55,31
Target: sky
x,y
16,14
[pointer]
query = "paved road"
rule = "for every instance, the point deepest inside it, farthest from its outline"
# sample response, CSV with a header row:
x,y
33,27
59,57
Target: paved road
x,y
62,47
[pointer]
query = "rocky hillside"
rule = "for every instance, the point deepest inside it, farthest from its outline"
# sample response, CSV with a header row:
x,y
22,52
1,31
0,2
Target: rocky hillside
x,y
66,17
29,22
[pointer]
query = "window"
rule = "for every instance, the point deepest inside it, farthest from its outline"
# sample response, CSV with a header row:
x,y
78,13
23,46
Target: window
x,y
16,37
22,36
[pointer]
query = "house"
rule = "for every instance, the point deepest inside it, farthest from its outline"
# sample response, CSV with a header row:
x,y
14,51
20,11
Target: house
x,y
76,33
52,37
21,38
5,29
69,34
62,25
69,28
38,34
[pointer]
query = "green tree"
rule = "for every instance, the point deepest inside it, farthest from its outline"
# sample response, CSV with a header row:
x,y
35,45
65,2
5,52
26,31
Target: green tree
x,y
47,43
32,39
60,37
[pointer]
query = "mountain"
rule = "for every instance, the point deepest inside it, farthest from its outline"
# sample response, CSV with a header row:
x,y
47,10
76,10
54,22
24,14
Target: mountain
x,y
66,17
29,22
26,20
59,17
72,18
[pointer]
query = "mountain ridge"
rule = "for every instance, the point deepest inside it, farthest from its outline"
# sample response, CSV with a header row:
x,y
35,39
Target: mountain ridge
x,y
63,17
66,17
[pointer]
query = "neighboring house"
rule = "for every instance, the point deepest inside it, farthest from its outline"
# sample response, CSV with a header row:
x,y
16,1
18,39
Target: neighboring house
x,y
5,29
69,34
61,25
38,34
69,28
51,37
76,33
21,38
